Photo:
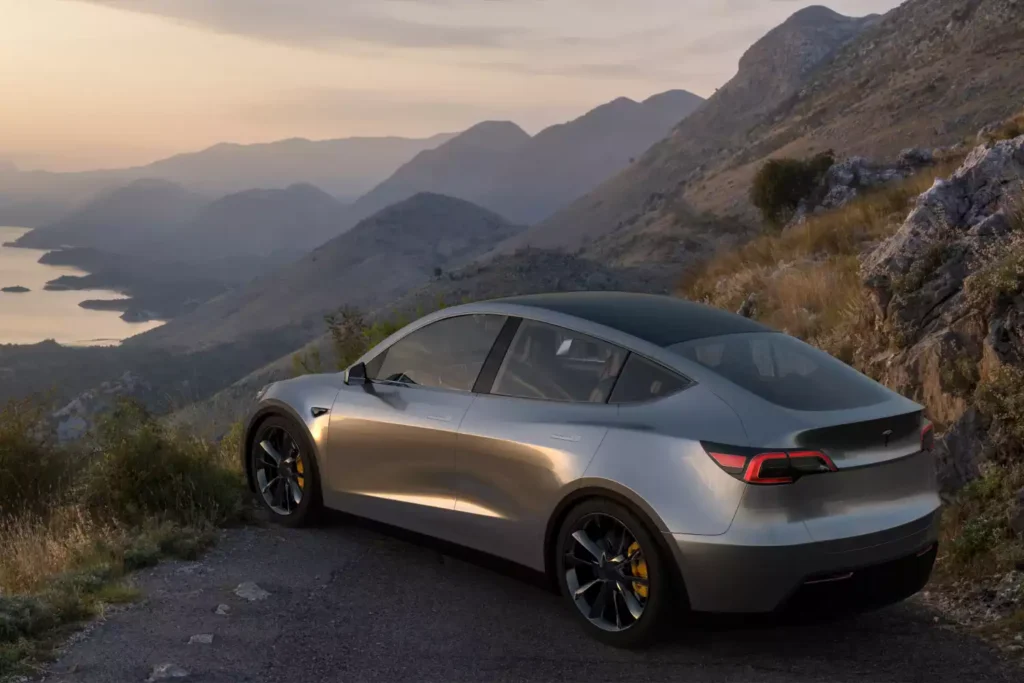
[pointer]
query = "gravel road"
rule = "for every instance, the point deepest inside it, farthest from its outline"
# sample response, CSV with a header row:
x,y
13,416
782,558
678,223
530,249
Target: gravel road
x,y
349,603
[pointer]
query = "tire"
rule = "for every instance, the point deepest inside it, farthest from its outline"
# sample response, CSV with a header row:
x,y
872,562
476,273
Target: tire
x,y
279,500
574,575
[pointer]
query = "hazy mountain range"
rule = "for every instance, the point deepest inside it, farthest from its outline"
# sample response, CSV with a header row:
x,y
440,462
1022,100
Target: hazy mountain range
x,y
345,168
497,165
381,258
634,191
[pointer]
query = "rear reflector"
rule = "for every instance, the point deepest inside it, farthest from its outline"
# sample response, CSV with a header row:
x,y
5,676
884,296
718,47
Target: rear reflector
x,y
771,467
928,437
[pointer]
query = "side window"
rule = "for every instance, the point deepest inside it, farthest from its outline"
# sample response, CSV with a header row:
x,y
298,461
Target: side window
x,y
642,380
556,364
447,354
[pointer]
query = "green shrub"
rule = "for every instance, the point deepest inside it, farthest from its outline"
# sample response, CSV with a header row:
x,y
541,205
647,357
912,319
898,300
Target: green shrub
x,y
976,526
781,184
145,471
35,473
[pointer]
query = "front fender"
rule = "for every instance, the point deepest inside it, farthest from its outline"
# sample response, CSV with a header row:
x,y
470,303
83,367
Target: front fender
x,y
295,400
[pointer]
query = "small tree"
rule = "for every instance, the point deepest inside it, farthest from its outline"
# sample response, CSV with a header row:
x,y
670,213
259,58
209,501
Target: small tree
x,y
781,184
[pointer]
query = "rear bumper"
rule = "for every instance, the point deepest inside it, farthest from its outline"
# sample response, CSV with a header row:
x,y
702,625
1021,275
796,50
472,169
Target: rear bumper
x,y
862,571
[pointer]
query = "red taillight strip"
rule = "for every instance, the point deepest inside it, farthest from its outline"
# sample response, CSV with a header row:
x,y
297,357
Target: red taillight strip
x,y
816,455
753,473
737,462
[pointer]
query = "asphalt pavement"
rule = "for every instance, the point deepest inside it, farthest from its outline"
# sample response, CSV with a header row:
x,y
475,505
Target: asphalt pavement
x,y
346,602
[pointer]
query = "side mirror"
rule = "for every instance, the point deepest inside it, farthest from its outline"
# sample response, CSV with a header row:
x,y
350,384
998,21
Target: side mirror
x,y
356,374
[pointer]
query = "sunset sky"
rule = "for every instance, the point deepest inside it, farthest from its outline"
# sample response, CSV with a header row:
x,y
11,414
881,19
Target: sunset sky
x,y
107,83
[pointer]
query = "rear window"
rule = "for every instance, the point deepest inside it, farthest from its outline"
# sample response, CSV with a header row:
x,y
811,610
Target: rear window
x,y
641,380
784,371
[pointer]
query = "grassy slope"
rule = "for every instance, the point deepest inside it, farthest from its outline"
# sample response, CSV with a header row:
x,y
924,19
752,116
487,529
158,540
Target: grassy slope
x,y
75,521
807,283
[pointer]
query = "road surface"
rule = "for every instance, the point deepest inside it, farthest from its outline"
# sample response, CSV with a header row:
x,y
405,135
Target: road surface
x,y
350,603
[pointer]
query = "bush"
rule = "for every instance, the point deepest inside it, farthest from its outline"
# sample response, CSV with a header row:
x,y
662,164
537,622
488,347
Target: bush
x,y
976,526
35,473
145,471
781,184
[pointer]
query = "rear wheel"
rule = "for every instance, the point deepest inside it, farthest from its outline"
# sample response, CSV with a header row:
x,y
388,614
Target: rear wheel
x,y
284,472
612,574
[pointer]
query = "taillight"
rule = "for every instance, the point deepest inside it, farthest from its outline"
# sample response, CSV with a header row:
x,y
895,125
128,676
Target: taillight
x,y
928,437
756,466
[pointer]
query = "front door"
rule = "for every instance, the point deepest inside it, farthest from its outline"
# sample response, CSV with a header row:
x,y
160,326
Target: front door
x,y
530,436
392,441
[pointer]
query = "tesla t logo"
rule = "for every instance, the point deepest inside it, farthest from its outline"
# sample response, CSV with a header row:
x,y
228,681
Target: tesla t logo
x,y
887,433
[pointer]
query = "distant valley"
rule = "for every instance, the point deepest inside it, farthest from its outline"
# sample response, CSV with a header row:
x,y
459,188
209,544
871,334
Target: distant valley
x,y
630,195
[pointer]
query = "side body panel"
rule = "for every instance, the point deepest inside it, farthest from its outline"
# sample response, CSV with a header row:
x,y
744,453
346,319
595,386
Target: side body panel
x,y
392,453
516,459
653,450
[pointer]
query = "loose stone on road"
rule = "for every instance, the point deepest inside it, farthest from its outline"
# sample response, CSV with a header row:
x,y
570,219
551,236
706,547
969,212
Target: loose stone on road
x,y
346,603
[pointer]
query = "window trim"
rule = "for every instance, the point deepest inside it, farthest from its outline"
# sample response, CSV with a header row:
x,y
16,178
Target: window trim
x,y
382,354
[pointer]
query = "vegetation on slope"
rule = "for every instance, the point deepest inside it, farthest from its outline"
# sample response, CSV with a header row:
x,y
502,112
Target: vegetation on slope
x,y
807,282
75,519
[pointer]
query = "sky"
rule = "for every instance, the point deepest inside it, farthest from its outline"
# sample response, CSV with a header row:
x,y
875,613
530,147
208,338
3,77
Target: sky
x,y
112,83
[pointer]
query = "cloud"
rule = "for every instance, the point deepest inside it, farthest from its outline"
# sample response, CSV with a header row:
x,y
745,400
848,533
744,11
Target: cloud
x,y
323,23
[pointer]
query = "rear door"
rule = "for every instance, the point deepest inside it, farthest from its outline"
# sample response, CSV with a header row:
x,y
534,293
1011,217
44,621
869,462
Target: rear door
x,y
532,431
392,441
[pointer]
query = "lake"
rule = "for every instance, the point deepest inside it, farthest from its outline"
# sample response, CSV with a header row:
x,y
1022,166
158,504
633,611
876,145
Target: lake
x,y
37,315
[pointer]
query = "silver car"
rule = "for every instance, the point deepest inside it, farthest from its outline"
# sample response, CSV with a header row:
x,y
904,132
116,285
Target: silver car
x,y
651,455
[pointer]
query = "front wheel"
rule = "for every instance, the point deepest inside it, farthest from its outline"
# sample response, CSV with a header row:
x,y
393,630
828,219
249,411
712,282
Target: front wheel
x,y
284,472
611,572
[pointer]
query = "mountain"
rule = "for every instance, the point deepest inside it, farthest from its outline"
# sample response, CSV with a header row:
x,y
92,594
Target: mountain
x,y
564,162
123,220
464,167
525,179
346,168
927,73
260,223
771,71
380,259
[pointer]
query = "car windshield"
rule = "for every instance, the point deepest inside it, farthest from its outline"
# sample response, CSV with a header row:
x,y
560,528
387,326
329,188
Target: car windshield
x,y
784,371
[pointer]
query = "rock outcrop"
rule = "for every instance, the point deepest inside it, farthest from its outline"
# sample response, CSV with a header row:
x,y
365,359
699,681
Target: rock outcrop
x,y
949,291
849,178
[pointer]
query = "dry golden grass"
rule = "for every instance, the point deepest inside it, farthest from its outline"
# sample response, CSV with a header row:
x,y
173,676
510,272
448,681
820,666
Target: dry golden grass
x,y
1011,128
37,550
844,232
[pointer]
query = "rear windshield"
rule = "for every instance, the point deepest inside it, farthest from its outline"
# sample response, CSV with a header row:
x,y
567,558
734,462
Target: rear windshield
x,y
785,371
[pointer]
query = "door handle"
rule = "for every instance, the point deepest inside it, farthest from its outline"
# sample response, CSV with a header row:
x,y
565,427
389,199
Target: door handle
x,y
440,418
566,437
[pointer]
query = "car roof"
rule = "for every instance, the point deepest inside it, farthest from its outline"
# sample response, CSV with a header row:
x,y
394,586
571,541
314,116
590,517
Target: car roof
x,y
661,320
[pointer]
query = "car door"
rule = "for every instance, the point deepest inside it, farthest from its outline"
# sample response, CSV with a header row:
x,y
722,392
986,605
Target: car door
x,y
530,433
392,440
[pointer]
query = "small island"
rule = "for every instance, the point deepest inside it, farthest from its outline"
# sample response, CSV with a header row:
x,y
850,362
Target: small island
x,y
17,289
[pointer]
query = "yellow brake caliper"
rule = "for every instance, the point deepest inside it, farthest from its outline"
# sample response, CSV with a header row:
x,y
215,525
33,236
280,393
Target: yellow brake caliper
x,y
299,469
638,567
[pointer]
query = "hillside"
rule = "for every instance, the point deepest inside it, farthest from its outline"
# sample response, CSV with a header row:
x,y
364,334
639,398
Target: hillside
x,y
498,166
260,223
345,168
380,259
464,167
566,161
526,272
820,80
123,220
